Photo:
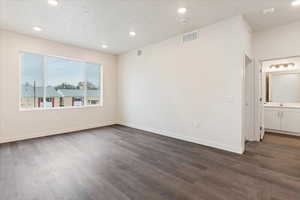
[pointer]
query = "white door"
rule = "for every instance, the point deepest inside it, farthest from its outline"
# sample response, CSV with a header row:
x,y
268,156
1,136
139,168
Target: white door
x,y
260,107
249,100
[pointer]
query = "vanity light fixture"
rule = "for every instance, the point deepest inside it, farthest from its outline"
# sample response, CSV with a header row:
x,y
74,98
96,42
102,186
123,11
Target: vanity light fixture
x,y
104,46
291,65
284,65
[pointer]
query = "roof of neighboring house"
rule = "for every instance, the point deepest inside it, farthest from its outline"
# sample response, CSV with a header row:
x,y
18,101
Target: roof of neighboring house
x,y
28,91
78,93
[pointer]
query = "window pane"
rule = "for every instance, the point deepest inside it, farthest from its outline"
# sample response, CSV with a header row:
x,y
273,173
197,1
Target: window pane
x,y
65,83
32,81
93,72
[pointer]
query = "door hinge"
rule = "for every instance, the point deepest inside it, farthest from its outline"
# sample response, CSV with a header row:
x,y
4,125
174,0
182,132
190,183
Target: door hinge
x,y
260,99
261,128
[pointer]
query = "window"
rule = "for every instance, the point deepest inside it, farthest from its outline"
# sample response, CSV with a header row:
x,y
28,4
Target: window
x,y
53,82
32,81
93,84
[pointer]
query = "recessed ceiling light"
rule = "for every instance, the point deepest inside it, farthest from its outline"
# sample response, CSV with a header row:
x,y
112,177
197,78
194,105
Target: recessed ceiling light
x,y
296,3
53,2
268,11
104,46
181,10
37,28
132,33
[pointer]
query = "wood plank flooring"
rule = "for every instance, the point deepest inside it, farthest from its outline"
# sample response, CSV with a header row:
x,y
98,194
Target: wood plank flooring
x,y
120,163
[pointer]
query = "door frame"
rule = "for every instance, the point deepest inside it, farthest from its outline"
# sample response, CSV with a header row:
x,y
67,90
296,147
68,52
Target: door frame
x,y
248,101
259,101
260,130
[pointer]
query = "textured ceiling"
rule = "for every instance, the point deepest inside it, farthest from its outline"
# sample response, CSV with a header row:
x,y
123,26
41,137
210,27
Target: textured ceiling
x,y
89,23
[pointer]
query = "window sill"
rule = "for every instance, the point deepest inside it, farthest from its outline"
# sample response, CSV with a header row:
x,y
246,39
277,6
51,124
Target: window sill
x,y
60,108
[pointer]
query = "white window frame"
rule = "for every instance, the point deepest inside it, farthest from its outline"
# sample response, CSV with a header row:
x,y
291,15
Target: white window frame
x,y
100,104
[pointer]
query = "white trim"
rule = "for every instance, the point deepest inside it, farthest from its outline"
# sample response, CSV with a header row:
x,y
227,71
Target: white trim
x,y
100,104
186,138
283,132
55,132
258,104
101,87
279,58
251,134
20,78
85,85
60,108
45,79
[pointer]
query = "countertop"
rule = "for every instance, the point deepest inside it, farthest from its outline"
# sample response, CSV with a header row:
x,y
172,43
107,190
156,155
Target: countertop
x,y
285,105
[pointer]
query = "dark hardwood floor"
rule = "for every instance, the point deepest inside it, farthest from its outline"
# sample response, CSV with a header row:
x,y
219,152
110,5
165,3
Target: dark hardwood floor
x,y
120,163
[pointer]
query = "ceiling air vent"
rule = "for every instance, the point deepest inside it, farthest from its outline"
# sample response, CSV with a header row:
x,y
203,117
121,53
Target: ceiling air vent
x,y
187,37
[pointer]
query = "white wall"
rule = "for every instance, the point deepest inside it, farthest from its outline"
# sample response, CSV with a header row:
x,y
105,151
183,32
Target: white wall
x,y
191,91
17,124
279,42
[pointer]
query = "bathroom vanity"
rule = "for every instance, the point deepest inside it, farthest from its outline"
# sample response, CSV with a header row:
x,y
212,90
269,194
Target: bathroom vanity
x,y
281,85
282,118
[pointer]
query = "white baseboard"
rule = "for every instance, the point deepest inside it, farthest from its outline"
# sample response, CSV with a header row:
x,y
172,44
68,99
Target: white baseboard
x,y
186,138
282,132
54,132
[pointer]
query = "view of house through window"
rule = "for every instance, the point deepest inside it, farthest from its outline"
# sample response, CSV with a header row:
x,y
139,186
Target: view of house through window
x,y
51,82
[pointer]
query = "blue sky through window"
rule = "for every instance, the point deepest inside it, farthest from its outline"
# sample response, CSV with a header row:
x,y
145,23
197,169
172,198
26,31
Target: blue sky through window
x,y
32,69
58,71
93,74
64,71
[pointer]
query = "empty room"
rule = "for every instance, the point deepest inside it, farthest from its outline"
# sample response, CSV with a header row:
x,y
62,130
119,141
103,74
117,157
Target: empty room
x,y
149,99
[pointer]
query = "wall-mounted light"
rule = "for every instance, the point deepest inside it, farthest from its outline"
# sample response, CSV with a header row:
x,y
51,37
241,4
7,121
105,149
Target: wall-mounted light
x,y
282,65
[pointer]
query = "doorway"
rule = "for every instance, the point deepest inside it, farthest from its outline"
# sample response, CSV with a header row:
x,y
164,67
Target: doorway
x,y
281,95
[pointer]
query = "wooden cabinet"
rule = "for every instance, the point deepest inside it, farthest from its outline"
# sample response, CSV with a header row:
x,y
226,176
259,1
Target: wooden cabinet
x,y
282,119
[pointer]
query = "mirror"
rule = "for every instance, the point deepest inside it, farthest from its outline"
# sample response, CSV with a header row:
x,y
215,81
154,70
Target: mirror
x,y
282,80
